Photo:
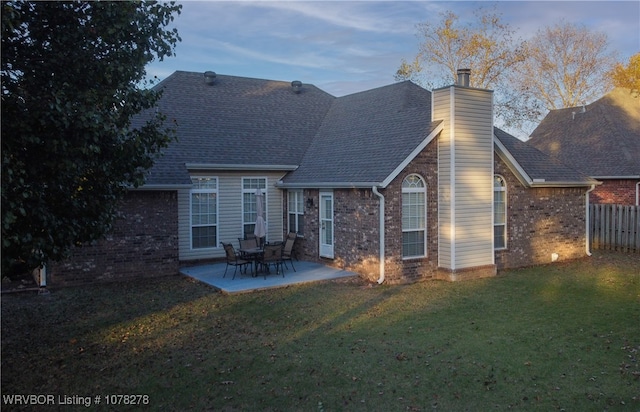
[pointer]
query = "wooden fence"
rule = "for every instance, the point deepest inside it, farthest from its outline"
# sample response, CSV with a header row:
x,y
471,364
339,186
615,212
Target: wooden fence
x,y
615,227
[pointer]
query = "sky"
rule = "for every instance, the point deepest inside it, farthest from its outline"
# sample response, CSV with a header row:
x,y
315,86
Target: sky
x,y
345,47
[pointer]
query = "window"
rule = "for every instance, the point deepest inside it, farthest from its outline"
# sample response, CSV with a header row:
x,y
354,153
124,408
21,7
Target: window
x,y
414,217
249,204
296,212
499,213
204,212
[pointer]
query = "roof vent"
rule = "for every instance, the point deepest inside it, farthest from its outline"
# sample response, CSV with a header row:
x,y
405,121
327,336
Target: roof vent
x,y
209,78
463,77
296,85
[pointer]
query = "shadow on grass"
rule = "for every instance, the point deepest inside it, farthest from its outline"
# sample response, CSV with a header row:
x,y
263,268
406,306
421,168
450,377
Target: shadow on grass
x,y
549,337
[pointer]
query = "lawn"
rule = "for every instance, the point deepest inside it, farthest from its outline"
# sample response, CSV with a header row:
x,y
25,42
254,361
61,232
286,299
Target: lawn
x,y
564,336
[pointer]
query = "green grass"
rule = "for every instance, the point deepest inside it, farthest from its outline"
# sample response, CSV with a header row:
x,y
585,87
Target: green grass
x,y
565,336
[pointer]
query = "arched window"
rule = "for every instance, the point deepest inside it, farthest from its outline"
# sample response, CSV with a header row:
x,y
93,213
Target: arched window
x,y
414,217
499,213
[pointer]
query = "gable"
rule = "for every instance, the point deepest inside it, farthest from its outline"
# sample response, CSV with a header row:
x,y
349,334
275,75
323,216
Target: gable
x,y
367,137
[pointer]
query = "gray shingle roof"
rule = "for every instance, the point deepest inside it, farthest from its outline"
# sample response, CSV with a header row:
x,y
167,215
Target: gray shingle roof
x,y
355,140
366,135
602,141
236,121
535,167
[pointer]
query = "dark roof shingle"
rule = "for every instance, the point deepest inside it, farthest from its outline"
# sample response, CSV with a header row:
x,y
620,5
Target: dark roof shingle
x,y
239,121
366,135
541,169
601,141
355,140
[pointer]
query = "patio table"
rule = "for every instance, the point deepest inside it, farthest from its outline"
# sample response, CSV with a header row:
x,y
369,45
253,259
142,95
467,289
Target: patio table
x,y
253,254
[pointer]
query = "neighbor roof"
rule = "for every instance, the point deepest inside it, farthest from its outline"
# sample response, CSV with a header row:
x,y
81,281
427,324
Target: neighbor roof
x,y
603,140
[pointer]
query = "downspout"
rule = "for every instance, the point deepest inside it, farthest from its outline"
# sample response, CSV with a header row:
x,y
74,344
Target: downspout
x,y
588,220
374,189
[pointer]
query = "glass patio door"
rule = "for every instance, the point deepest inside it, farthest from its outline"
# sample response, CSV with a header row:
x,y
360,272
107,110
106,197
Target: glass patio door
x,y
326,224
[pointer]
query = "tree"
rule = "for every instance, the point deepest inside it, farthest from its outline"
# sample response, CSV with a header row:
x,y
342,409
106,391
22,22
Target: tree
x,y
486,47
566,66
629,76
70,86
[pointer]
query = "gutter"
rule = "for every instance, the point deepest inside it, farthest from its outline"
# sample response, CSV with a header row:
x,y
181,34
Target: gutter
x,y
236,167
326,185
587,220
374,189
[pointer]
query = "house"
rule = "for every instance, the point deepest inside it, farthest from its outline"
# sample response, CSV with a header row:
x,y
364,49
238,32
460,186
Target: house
x,y
397,183
602,140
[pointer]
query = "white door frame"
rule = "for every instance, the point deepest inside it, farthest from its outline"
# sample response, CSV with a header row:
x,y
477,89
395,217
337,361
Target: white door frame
x,y
326,224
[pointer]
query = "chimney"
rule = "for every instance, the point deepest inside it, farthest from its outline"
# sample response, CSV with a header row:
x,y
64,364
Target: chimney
x,y
463,77
465,179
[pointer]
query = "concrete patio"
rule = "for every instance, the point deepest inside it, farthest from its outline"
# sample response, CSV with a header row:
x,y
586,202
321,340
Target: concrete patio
x,y
211,274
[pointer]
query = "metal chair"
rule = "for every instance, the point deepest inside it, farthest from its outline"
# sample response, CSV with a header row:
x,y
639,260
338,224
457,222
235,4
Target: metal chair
x,y
272,255
233,259
287,251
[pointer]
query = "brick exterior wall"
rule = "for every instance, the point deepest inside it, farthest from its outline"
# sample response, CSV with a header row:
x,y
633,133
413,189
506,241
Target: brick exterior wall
x,y
617,192
142,244
356,224
397,269
540,222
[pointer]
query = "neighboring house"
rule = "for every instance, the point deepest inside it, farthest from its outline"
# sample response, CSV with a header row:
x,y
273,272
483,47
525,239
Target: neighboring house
x,y
396,183
602,140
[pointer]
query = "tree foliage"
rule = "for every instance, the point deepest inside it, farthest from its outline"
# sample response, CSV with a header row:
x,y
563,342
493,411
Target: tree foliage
x,y
486,46
566,66
70,86
561,66
627,76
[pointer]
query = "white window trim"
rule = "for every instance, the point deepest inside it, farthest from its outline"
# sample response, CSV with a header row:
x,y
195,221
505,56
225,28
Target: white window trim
x,y
503,189
253,191
216,224
299,194
424,229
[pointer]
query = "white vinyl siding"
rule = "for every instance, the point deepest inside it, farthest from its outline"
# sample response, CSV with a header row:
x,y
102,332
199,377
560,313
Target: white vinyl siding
x,y
465,177
230,223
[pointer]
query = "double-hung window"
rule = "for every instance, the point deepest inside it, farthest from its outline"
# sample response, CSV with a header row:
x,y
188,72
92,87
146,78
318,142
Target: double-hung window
x,y
249,202
204,212
499,213
414,217
296,211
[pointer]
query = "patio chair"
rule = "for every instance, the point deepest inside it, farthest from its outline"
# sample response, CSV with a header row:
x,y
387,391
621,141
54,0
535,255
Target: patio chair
x,y
272,256
250,243
287,251
233,259
294,236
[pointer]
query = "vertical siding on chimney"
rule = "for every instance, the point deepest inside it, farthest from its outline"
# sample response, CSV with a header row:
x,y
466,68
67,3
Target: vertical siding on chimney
x,y
465,177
